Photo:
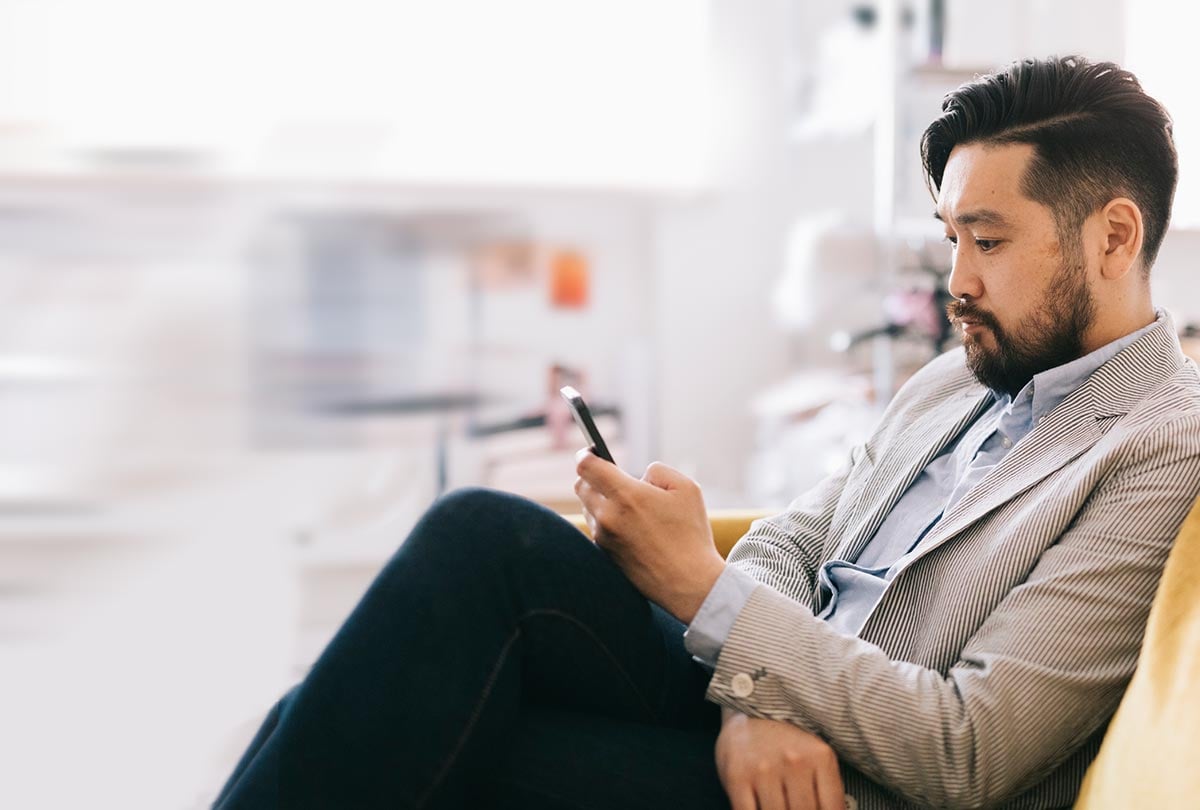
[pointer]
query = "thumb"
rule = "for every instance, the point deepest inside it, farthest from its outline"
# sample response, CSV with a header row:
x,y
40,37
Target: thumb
x,y
664,477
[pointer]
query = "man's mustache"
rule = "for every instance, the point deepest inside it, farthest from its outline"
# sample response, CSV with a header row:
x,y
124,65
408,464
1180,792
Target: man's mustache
x,y
959,310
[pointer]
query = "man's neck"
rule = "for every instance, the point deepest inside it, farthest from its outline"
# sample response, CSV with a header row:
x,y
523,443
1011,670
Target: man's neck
x,y
1118,325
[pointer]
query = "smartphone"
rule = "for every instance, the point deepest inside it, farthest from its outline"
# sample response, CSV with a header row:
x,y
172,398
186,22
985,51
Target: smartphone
x,y
583,418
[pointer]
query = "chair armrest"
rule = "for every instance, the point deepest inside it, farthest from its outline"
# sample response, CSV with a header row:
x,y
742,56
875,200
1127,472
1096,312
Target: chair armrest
x,y
728,525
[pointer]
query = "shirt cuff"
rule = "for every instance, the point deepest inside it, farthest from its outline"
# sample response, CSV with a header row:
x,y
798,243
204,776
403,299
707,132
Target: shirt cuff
x,y
711,626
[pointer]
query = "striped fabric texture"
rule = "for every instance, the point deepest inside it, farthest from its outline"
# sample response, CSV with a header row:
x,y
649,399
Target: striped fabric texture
x,y
989,670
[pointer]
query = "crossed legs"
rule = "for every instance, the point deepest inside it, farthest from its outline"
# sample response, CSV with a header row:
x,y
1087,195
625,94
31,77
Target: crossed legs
x,y
499,659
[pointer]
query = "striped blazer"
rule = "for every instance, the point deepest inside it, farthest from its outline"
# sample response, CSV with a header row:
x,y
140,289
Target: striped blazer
x,y
987,673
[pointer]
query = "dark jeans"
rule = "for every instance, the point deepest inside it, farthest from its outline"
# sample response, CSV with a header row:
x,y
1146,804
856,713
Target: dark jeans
x,y
500,659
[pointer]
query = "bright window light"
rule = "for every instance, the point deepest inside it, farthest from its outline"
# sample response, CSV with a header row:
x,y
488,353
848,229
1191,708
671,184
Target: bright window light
x,y
1160,36
594,92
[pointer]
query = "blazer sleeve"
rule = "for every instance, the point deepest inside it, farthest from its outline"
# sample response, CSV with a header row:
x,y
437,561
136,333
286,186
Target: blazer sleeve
x,y
784,551
1043,672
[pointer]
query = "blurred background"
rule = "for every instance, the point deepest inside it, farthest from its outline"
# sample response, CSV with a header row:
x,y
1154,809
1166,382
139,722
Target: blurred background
x,y
276,274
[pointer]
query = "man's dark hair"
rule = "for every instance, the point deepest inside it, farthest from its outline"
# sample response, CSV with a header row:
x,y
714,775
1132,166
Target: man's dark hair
x,y
1096,136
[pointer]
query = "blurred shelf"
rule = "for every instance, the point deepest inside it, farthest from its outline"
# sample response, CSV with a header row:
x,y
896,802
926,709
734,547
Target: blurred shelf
x,y
14,182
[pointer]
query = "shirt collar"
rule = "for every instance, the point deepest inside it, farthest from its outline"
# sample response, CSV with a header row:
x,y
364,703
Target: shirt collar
x,y
1053,385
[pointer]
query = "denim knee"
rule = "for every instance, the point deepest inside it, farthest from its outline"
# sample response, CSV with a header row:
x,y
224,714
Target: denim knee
x,y
484,522
470,499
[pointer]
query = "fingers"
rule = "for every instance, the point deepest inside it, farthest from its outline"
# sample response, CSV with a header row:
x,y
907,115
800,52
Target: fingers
x,y
585,496
769,791
828,783
588,496
802,792
596,508
797,792
605,478
614,483
781,766
741,797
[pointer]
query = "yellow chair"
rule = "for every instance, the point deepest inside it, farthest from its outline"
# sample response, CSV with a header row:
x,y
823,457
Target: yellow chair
x,y
728,525
1151,754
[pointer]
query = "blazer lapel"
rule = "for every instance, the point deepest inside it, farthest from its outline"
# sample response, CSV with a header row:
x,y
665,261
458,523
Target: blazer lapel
x,y
1062,436
897,470
1067,432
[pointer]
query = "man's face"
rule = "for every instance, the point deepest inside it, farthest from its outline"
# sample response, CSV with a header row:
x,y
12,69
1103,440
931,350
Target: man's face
x,y
1024,300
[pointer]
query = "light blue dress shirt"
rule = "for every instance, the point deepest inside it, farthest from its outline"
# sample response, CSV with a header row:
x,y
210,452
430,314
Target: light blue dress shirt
x,y
851,589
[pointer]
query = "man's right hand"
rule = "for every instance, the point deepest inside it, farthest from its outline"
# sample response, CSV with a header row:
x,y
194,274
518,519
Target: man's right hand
x,y
773,765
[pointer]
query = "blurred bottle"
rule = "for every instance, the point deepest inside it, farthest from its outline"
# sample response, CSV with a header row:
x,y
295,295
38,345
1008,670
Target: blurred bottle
x,y
569,280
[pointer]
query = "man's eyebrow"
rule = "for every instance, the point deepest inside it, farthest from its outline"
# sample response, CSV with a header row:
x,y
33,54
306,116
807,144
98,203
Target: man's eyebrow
x,y
977,216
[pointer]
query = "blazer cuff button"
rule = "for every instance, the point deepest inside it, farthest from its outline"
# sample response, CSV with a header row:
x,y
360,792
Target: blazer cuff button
x,y
742,685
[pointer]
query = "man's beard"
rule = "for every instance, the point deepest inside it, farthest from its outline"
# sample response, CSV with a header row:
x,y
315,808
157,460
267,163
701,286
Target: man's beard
x,y
1049,337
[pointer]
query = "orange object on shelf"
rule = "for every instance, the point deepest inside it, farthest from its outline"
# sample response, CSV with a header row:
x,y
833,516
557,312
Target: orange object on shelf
x,y
568,280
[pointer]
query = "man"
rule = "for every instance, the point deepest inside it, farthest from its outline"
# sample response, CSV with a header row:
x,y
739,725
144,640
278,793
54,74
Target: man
x,y
953,615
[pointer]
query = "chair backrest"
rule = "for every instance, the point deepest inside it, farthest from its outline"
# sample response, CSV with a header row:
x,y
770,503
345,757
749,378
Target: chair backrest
x,y
1151,753
728,525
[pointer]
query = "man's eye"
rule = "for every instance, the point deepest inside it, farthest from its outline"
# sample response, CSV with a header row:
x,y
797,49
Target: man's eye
x,y
987,245
953,240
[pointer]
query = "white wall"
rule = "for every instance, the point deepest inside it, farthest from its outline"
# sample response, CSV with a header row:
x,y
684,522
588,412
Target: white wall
x,y
1174,280
717,258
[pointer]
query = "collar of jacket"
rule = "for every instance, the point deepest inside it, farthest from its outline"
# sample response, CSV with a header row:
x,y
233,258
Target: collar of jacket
x,y
1067,432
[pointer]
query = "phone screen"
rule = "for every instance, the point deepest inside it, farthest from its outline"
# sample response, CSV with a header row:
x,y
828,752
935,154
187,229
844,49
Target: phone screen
x,y
583,418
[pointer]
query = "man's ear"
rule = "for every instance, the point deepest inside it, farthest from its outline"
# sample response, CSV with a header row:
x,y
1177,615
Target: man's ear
x,y
1121,221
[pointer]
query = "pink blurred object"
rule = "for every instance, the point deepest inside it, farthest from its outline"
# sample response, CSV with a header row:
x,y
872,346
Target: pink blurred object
x,y
915,309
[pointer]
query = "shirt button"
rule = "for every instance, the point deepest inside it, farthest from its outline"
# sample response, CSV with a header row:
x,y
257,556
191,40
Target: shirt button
x,y
742,685
1007,442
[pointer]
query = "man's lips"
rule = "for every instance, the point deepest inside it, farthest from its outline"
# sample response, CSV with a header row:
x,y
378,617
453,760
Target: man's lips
x,y
968,319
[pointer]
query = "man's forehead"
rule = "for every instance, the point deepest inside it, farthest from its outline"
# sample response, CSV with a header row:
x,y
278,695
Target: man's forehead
x,y
982,184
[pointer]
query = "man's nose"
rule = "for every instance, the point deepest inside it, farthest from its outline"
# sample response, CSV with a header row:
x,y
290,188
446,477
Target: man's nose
x,y
964,282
